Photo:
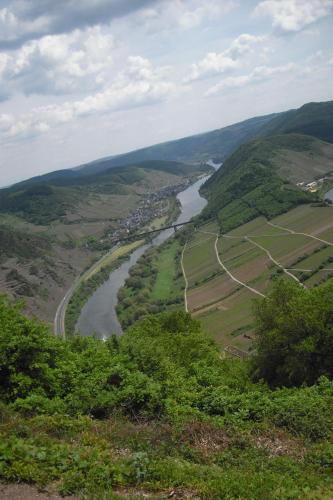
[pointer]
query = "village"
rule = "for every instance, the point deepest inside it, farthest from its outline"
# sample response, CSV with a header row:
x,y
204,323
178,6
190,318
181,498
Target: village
x,y
314,186
153,206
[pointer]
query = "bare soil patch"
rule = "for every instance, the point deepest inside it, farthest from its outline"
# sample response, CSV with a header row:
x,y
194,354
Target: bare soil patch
x,y
27,492
210,291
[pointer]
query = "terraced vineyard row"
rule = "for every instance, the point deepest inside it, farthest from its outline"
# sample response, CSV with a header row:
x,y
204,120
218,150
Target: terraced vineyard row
x,y
225,274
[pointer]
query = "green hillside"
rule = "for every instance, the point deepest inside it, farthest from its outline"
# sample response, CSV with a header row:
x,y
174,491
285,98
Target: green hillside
x,y
314,118
21,243
249,183
158,413
44,199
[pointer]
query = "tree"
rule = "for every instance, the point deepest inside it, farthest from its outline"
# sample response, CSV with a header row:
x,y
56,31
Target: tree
x,y
294,335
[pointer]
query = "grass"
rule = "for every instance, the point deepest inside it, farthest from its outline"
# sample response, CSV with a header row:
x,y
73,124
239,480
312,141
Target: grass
x,y
109,258
166,273
220,324
289,247
155,284
248,253
117,458
216,301
200,261
199,257
307,219
315,259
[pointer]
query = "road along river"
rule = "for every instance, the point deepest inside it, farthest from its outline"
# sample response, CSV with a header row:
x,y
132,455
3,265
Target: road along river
x,y
98,316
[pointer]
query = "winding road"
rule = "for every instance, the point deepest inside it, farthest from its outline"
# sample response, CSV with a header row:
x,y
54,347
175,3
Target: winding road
x,y
59,319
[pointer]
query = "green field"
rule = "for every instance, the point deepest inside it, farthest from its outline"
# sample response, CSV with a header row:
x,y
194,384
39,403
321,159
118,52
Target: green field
x,y
155,284
224,306
166,278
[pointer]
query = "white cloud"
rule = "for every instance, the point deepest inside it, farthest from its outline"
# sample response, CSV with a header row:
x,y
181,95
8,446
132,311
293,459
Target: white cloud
x,y
243,44
293,15
59,63
260,73
216,63
183,14
22,20
11,27
140,84
212,64
192,17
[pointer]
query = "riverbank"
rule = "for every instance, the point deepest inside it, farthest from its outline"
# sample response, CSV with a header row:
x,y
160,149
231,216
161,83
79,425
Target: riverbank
x,y
99,314
90,281
155,284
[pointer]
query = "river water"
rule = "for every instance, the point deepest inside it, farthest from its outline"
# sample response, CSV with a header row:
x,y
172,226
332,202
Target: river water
x,y
98,316
329,195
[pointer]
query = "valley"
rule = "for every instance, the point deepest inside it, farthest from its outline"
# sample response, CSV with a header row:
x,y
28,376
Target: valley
x,y
261,222
192,362
43,251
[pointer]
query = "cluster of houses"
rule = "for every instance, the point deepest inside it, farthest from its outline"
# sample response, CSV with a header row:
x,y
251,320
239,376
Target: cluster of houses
x,y
313,186
152,206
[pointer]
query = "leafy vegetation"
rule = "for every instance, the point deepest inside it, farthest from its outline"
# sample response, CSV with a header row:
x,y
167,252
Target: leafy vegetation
x,y
20,243
158,409
155,284
248,185
294,335
314,118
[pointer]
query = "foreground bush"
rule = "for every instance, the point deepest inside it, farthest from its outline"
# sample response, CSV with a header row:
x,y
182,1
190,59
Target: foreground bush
x,y
155,409
294,335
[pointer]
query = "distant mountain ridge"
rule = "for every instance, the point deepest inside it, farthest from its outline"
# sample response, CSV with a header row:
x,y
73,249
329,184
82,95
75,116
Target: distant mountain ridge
x,y
219,143
315,119
46,198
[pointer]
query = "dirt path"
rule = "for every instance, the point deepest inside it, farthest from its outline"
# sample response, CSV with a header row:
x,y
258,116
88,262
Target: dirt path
x,y
253,290
27,492
274,261
291,231
185,278
250,240
231,275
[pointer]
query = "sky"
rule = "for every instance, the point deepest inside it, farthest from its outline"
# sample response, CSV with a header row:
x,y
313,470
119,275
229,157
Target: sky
x,y
83,79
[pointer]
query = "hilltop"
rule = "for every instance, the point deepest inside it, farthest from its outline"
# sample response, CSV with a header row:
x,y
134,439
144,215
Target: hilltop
x,y
314,118
52,196
260,178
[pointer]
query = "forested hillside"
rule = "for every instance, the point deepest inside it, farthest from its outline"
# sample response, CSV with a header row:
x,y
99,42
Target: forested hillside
x,y
314,118
249,183
47,198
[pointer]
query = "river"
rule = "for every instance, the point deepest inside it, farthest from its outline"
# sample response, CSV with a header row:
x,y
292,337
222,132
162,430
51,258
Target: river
x,y
329,195
98,316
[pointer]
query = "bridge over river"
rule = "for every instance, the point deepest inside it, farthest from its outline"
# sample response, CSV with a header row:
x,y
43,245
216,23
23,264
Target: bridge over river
x,y
140,236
